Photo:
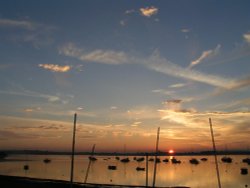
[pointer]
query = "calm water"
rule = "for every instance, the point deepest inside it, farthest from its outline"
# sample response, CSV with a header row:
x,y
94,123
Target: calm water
x,y
202,175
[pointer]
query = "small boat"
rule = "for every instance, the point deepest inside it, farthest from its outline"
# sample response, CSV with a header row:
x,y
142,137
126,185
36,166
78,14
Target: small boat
x,y
140,169
3,155
158,160
151,159
194,161
244,171
125,160
175,161
46,160
204,159
246,160
91,158
165,160
117,158
112,167
226,159
140,159
26,167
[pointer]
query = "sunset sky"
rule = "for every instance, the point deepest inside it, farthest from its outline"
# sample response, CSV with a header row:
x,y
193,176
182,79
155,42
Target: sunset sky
x,y
126,68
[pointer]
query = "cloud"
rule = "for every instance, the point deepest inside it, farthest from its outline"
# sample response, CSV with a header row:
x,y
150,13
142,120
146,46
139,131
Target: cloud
x,y
246,36
185,30
123,22
113,108
28,110
98,56
35,33
18,23
154,62
164,91
129,11
164,66
149,11
205,55
178,85
233,104
27,93
55,68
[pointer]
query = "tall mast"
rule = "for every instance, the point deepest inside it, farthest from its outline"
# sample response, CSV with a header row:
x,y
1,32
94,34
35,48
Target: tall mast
x,y
156,154
215,155
73,152
87,172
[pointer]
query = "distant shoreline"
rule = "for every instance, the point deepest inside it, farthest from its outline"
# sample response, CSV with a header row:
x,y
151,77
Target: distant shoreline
x,y
201,153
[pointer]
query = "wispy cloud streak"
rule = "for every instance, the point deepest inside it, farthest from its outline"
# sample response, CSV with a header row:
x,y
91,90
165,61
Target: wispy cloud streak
x,y
153,62
205,55
18,23
27,93
98,56
166,67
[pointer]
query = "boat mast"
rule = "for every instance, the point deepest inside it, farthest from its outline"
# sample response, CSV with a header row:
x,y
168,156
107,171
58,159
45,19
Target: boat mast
x,y
215,156
156,154
146,169
87,172
73,152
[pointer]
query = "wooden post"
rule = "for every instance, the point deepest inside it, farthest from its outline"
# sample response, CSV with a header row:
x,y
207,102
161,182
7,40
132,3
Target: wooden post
x,y
73,152
156,154
215,155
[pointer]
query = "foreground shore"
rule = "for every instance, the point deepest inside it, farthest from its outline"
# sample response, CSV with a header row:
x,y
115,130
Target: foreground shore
x,y
25,182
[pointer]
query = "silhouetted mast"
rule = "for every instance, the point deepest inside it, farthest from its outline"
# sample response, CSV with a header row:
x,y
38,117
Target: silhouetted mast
x,y
146,169
87,172
156,154
215,156
73,152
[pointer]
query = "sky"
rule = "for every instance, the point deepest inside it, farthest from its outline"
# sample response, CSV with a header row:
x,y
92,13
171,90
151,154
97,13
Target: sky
x,y
126,68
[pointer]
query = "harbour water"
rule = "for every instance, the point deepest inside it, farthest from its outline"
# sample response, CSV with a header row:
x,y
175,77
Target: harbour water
x,y
202,175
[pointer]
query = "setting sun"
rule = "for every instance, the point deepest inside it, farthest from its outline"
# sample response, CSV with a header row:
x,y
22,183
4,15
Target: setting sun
x,y
170,151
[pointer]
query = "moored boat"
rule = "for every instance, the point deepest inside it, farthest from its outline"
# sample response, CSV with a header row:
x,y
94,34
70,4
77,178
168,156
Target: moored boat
x,y
194,161
227,159
112,167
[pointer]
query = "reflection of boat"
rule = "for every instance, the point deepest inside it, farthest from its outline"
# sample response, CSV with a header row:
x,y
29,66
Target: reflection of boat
x,y
226,159
194,161
246,160
175,161
140,169
203,159
125,160
244,171
140,159
46,160
112,167
91,158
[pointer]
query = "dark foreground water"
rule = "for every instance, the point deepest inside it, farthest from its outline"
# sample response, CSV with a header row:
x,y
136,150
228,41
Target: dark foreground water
x,y
202,175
